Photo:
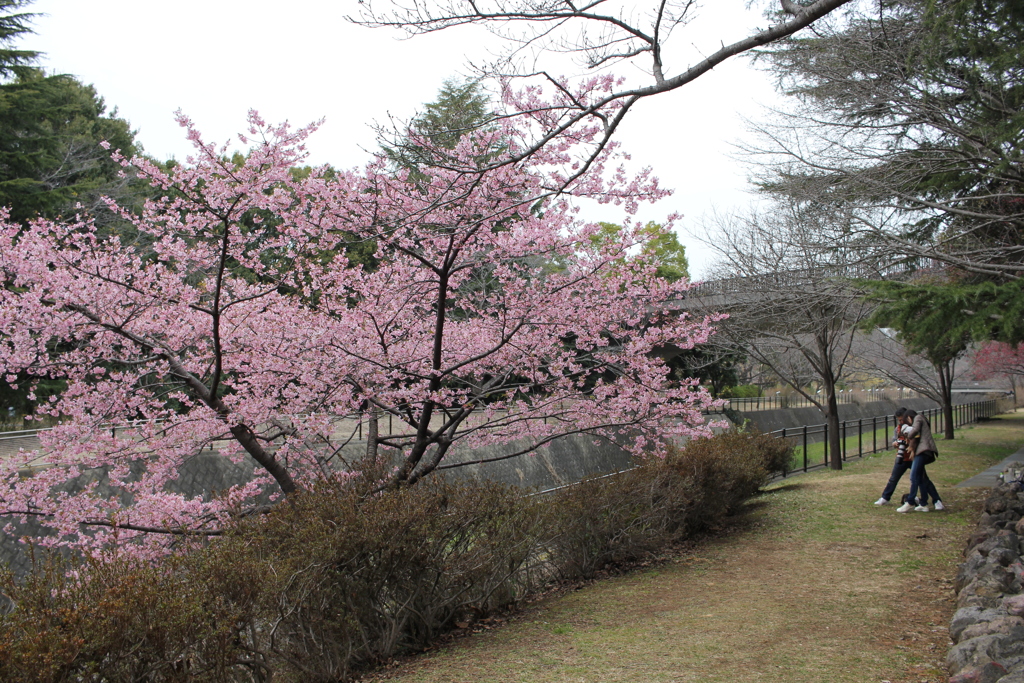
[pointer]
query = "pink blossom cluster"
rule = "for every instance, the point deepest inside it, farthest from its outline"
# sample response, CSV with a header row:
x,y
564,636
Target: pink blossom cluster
x,y
229,314
993,359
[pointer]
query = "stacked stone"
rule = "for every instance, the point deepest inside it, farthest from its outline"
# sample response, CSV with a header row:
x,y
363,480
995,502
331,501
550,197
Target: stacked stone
x,y
988,627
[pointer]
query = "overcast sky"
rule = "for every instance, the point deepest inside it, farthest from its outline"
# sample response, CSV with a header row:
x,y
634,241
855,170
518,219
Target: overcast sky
x,y
302,61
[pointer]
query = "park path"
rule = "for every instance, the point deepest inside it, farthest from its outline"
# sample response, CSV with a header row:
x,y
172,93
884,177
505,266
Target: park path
x,y
812,583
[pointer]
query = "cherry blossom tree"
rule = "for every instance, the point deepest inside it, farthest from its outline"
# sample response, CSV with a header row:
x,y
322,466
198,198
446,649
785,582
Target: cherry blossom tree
x,y
994,359
235,320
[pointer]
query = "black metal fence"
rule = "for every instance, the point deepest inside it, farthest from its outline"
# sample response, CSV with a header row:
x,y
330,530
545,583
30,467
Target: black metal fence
x,y
867,435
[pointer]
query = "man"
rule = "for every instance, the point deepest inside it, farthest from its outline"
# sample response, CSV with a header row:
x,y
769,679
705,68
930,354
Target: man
x,y
901,465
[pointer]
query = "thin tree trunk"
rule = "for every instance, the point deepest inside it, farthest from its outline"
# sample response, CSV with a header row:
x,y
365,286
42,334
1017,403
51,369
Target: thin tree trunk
x,y
832,418
945,371
371,433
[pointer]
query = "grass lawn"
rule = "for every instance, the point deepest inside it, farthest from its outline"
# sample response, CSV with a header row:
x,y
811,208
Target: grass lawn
x,y
810,583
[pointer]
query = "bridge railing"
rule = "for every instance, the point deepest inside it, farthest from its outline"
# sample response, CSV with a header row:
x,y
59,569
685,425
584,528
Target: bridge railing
x,y
788,279
779,401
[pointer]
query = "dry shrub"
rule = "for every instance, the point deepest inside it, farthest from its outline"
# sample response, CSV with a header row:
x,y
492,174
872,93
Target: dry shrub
x,y
613,520
335,580
374,577
122,620
722,472
325,584
622,518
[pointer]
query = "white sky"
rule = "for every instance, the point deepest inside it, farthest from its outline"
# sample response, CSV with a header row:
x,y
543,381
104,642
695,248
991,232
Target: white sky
x,y
301,61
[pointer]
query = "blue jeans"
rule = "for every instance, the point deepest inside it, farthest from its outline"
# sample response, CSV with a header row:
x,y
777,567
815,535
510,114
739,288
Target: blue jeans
x,y
919,479
900,468
898,471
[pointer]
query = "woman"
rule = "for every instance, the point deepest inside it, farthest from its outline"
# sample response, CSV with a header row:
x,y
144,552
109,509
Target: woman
x,y
924,454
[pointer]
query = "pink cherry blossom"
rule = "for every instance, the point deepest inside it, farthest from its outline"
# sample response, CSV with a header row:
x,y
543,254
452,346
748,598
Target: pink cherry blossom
x,y
232,318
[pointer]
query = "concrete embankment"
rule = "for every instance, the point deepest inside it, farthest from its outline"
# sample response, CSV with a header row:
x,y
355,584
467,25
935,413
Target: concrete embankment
x,y
564,461
794,418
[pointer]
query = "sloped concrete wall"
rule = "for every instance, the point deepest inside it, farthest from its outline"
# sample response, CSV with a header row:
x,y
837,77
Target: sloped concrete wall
x,y
561,462
794,418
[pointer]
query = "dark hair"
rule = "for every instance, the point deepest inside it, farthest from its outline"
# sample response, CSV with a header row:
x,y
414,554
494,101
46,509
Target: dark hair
x,y
910,413
900,412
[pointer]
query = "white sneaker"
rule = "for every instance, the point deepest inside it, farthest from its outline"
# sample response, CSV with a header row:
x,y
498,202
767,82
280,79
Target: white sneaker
x,y
939,505
881,501
906,507
921,508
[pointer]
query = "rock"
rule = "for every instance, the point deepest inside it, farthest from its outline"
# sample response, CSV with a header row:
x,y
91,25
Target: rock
x,y
1014,605
1012,677
1007,625
1008,519
968,616
977,601
980,536
976,652
975,561
1003,556
1002,539
1007,489
989,585
1019,527
996,574
988,673
995,504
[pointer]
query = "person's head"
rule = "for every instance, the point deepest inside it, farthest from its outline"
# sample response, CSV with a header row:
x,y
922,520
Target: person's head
x,y
909,415
900,412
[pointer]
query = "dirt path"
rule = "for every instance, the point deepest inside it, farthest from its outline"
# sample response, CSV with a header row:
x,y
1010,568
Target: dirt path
x,y
813,583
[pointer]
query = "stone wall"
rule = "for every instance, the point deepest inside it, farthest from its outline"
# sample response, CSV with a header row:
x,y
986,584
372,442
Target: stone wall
x,y
988,627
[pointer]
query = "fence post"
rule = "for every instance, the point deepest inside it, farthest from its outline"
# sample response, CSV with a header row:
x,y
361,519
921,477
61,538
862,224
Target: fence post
x,y
805,448
842,440
785,471
825,431
860,436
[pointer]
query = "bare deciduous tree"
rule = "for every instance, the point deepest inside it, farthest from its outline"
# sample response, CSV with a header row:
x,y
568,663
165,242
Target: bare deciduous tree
x,y
880,353
792,307
598,33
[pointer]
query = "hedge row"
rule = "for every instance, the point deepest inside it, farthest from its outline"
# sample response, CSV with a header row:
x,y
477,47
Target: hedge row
x,y
335,581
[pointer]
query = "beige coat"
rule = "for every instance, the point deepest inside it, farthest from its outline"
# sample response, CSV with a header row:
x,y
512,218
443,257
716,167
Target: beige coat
x,y
920,429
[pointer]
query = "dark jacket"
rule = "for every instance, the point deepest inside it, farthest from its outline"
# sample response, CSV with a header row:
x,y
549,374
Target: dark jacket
x,y
921,430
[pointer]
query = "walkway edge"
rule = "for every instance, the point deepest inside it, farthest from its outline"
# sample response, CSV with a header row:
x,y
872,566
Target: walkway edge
x,y
990,477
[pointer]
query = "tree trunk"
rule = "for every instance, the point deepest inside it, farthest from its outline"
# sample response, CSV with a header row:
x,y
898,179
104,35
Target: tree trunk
x,y
371,433
835,444
945,371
